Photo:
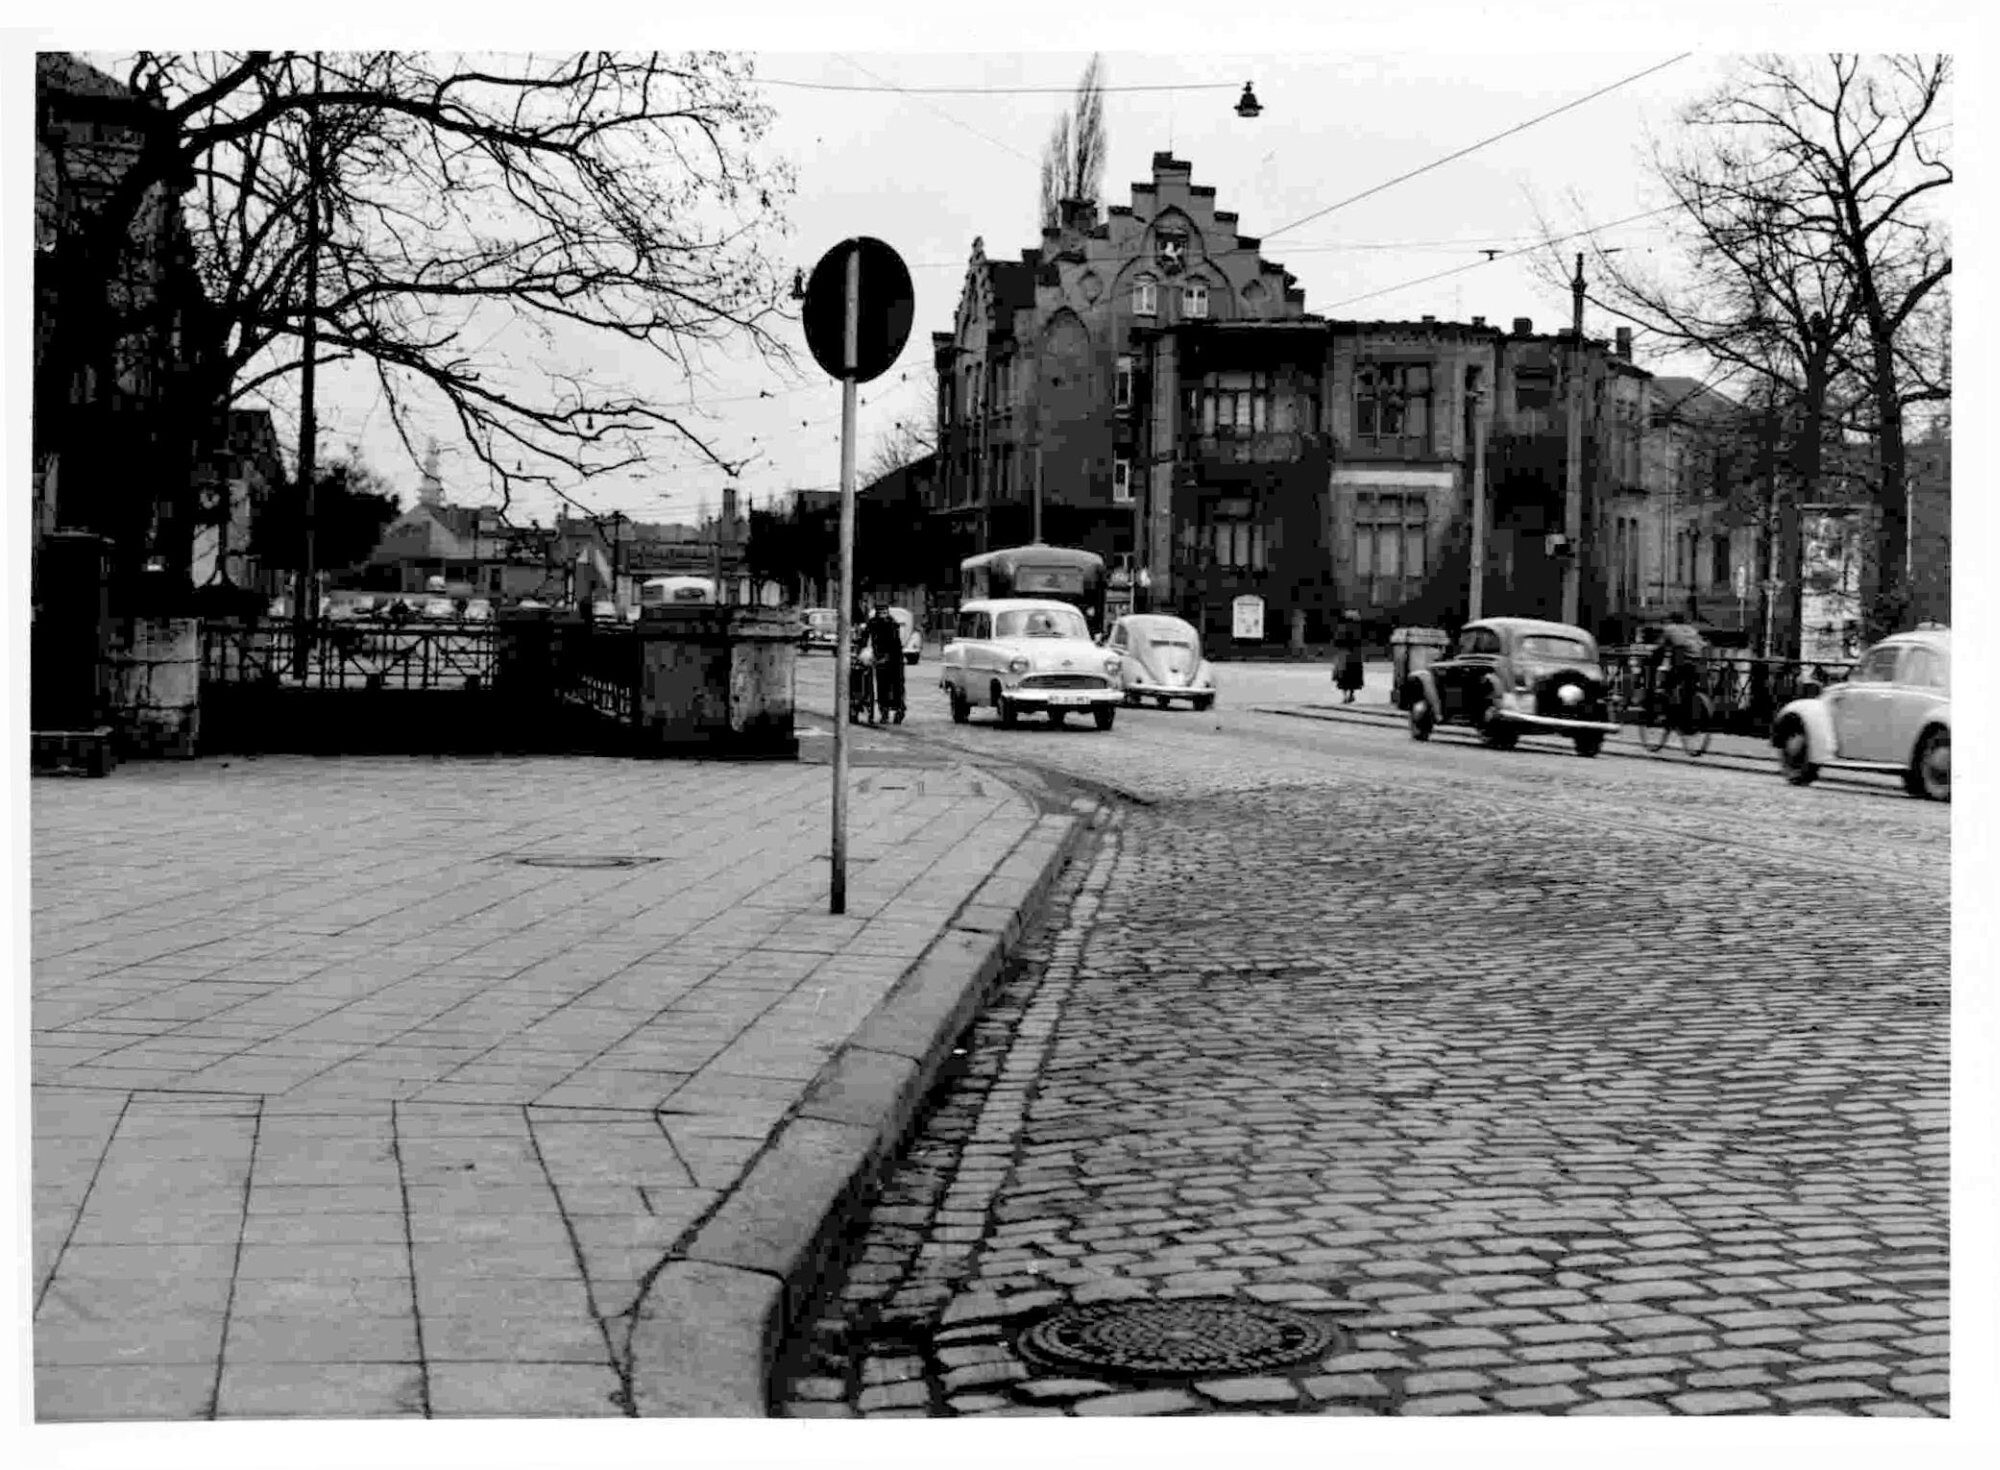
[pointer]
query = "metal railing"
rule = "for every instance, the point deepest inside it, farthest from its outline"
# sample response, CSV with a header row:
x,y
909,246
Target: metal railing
x,y
598,666
1744,691
355,655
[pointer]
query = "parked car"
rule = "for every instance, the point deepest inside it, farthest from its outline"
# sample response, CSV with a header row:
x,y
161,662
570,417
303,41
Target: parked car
x,y
821,630
913,638
478,610
438,610
1022,655
1511,676
1161,660
1892,715
604,611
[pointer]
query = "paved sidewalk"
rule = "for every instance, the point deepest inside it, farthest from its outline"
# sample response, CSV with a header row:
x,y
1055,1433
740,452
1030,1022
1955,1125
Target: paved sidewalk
x,y
342,1109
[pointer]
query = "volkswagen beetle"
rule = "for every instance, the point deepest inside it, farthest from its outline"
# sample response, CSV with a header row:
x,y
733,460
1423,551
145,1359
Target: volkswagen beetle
x,y
1021,655
1892,715
1161,660
1509,676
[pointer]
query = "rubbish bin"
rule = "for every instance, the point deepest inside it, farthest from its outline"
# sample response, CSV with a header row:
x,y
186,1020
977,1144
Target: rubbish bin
x,y
1411,649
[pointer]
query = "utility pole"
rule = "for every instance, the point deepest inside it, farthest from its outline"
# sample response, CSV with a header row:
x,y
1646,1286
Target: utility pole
x,y
302,624
1476,600
1572,574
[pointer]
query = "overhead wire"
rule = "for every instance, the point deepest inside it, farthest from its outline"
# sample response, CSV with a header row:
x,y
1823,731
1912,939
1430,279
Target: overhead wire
x,y
1482,143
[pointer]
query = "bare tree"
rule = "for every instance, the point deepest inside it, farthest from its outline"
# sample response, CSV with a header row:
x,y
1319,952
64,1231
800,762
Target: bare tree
x,y
562,200
905,444
1073,158
1814,268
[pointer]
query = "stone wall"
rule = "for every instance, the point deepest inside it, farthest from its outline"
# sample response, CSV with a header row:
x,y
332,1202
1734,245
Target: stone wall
x,y
155,678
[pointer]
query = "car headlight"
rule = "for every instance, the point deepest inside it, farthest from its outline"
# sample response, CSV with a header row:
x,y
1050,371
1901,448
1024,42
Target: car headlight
x,y
1570,694
1113,665
1018,666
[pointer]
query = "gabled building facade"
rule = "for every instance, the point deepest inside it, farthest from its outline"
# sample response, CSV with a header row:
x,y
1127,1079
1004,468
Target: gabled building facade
x,y
1188,419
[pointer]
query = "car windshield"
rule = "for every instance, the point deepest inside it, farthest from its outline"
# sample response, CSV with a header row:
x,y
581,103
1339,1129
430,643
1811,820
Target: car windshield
x,y
1169,640
1554,645
1041,622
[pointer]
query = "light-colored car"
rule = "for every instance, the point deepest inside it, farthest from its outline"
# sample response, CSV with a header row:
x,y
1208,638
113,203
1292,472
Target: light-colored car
x,y
1512,676
913,639
1022,655
478,610
1892,715
1161,660
439,610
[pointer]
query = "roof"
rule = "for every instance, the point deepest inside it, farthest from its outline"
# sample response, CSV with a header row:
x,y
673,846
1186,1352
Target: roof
x,y
1532,625
1148,620
1016,604
1939,638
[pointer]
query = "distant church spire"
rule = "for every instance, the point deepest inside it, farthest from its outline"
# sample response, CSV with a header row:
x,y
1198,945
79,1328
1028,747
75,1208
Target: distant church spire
x,y
431,492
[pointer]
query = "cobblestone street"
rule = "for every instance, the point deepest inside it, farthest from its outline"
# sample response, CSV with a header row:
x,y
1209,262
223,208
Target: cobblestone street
x,y
1558,1086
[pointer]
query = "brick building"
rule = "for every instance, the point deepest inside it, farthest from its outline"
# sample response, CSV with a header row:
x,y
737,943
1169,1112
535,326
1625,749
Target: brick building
x,y
1189,420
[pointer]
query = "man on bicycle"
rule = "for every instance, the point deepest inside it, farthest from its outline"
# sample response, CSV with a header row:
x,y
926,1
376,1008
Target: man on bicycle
x,y
1680,648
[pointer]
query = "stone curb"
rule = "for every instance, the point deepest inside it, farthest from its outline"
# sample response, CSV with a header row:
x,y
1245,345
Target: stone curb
x,y
707,1334
1715,756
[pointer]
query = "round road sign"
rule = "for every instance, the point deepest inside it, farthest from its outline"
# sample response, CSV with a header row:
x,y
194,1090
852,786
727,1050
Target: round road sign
x,y
887,307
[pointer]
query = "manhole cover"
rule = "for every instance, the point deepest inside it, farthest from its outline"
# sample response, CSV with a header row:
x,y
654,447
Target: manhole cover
x,y
1190,1338
585,860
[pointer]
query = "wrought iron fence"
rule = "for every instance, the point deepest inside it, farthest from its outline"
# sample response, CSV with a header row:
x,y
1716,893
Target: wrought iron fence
x,y
1744,691
598,666
356,655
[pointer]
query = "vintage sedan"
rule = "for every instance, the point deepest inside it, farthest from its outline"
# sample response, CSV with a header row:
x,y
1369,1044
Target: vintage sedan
x,y
1512,676
819,628
1161,660
1021,655
1892,715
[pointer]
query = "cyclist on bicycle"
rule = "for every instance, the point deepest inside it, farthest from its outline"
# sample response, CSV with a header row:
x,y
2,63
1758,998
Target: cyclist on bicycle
x,y
1680,648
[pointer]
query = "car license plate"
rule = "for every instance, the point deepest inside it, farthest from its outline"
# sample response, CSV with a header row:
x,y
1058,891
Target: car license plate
x,y
1065,697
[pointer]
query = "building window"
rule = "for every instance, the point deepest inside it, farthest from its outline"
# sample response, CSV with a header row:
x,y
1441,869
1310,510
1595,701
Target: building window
x,y
1233,538
1718,561
1392,407
1121,482
1534,391
1231,405
1122,384
1194,300
1389,556
1145,297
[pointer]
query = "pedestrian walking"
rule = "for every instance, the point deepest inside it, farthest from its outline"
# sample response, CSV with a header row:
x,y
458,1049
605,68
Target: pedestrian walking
x,y
885,641
1347,666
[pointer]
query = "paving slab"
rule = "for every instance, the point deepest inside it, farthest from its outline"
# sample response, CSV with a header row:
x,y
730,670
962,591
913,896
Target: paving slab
x,y
504,1087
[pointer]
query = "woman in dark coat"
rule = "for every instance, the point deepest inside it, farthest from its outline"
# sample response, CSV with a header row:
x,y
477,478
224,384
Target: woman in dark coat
x,y
1347,667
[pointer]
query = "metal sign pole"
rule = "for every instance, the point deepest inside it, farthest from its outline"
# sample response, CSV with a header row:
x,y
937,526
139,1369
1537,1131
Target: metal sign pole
x,y
844,610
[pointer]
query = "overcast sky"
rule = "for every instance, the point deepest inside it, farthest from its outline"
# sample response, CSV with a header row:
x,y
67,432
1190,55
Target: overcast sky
x,y
930,171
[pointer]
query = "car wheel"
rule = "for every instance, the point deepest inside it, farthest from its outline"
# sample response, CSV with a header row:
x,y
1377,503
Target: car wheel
x,y
1204,702
1423,719
1131,700
961,708
1056,717
1105,714
1498,734
1589,742
1795,755
1008,716
1930,769
1162,701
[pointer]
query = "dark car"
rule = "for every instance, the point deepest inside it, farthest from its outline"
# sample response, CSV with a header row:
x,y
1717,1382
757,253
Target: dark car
x,y
1512,676
819,628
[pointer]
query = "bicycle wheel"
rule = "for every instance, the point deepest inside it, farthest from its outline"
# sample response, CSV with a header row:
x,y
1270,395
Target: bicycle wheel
x,y
1654,728
1694,735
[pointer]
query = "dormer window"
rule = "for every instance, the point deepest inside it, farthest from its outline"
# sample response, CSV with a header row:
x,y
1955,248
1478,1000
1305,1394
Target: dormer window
x,y
1145,297
1194,300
